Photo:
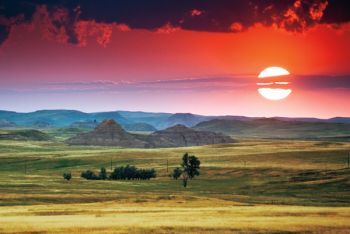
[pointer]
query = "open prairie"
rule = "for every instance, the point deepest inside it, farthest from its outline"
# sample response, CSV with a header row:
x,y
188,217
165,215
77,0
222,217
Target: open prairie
x,y
253,186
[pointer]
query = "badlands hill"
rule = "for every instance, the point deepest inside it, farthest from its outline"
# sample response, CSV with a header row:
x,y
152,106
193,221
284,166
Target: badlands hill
x,y
110,133
180,135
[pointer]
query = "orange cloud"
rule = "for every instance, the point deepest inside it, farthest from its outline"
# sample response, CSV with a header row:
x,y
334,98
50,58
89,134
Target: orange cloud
x,y
236,27
316,10
167,28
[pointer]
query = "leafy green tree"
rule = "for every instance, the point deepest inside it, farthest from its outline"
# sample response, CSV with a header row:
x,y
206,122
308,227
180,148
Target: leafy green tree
x,y
177,173
67,176
103,174
190,167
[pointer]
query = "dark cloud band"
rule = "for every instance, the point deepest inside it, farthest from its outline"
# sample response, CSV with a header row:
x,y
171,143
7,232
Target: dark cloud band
x,y
64,16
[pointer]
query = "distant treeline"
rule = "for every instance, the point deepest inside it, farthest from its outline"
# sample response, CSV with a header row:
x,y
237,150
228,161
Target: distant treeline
x,y
121,173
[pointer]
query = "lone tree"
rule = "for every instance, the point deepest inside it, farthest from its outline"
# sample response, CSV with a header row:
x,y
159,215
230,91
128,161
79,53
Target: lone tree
x,y
190,168
177,173
67,176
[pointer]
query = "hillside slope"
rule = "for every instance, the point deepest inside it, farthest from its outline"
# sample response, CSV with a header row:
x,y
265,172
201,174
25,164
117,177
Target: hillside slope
x,y
27,135
274,128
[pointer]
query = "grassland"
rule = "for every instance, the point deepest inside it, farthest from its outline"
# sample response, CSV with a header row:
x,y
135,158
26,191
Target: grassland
x,y
253,186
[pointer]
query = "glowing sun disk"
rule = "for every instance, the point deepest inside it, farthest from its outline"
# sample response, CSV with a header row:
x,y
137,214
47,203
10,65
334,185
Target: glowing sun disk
x,y
271,90
273,71
274,94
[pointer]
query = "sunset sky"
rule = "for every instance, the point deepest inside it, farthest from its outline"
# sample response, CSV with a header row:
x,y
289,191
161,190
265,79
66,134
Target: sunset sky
x,y
198,56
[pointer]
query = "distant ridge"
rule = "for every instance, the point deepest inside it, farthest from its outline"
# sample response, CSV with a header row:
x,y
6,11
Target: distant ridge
x,y
275,128
67,118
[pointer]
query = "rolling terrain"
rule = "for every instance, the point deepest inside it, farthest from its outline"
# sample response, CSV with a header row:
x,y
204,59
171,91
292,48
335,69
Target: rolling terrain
x,y
275,128
251,186
277,176
24,134
73,118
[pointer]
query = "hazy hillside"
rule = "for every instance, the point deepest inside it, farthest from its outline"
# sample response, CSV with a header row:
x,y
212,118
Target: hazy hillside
x,y
100,116
151,118
6,124
88,124
134,119
186,119
313,120
274,128
32,135
54,118
164,120
139,127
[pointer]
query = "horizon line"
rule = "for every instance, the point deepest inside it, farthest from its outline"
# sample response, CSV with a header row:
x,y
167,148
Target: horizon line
x,y
172,113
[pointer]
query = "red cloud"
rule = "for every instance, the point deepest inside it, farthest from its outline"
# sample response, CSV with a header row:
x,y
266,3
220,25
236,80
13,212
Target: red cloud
x,y
316,10
236,27
167,28
86,29
53,25
61,26
123,27
101,31
196,12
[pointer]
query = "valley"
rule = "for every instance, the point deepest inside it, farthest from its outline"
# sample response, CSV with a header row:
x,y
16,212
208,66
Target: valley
x,y
251,186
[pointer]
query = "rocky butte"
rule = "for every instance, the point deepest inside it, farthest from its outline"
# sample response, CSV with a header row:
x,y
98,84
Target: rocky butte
x,y
110,133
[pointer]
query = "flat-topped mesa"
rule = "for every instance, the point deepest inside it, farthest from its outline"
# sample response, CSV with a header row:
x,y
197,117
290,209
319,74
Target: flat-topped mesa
x,y
107,133
180,136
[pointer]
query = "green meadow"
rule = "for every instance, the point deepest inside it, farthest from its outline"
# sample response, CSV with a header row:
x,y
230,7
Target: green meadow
x,y
252,186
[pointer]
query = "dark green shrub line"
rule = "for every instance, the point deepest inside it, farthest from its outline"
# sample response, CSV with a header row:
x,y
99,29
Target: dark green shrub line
x,y
89,175
121,173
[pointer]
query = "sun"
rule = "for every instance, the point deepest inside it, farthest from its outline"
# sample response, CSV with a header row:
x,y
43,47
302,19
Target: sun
x,y
273,71
274,84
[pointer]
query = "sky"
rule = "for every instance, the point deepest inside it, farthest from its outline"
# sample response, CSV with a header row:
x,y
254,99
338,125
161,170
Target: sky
x,y
198,56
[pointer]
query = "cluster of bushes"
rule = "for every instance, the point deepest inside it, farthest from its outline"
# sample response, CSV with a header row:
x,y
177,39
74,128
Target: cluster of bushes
x,y
121,173
132,173
90,175
189,169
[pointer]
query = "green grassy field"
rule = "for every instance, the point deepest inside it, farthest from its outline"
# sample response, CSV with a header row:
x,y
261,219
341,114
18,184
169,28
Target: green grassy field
x,y
253,186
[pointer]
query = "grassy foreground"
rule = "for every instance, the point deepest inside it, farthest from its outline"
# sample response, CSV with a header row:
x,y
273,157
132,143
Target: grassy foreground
x,y
252,186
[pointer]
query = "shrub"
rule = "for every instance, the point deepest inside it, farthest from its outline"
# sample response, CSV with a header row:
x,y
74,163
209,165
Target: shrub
x,y
103,174
89,175
67,176
177,173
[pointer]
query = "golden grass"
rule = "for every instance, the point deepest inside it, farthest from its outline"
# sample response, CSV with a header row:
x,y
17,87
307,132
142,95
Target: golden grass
x,y
176,215
219,201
